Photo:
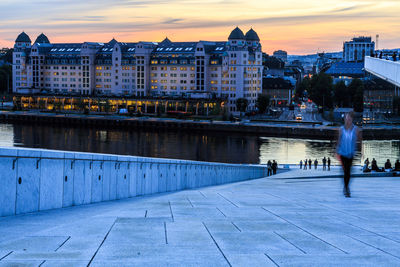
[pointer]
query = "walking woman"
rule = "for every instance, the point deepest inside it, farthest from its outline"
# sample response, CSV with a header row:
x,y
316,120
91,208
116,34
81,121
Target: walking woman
x,y
349,134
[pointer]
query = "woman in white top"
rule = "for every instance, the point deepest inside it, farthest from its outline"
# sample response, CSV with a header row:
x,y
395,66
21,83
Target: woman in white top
x,y
349,134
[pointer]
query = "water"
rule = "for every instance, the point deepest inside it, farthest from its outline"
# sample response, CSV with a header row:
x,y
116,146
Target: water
x,y
216,147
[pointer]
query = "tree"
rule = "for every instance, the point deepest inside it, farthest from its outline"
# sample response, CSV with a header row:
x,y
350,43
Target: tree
x,y
341,95
356,91
241,104
321,90
304,86
262,103
5,73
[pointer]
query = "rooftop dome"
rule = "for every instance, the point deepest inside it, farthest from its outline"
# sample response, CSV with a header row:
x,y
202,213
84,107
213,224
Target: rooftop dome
x,y
236,34
23,38
251,35
42,39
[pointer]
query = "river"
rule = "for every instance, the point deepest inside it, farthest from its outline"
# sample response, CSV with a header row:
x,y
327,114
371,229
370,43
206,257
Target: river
x,y
216,147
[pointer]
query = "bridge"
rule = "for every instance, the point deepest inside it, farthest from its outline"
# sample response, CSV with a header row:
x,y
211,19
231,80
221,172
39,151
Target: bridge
x,y
384,69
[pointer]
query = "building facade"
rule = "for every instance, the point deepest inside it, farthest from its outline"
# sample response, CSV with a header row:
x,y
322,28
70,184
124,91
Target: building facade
x,y
279,90
282,55
204,69
357,49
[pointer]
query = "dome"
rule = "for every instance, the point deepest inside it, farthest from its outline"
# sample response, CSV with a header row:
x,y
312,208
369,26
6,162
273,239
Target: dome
x,y
23,38
236,34
42,39
251,35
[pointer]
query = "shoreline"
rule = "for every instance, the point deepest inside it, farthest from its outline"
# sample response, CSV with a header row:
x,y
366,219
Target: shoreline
x,y
288,130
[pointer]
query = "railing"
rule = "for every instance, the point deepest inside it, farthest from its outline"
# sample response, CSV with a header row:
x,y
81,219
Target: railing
x,y
35,180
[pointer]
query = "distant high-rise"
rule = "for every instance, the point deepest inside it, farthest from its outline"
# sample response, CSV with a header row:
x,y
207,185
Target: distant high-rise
x,y
357,49
282,55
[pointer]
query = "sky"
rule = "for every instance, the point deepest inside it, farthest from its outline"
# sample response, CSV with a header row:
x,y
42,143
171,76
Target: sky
x,y
299,27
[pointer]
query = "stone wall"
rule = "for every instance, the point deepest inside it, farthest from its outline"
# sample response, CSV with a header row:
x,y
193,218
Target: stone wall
x,y
35,179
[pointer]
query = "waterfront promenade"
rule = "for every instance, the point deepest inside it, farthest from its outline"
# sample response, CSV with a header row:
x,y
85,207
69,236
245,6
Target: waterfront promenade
x,y
307,129
271,221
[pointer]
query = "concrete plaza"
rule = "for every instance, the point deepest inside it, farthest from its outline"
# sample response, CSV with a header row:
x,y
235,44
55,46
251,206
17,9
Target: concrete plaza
x,y
273,221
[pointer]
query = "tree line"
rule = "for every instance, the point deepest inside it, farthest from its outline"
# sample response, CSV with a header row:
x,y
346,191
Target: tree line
x,y
321,90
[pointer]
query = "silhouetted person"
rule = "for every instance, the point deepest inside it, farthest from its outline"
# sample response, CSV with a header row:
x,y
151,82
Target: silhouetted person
x,y
305,164
397,165
309,163
315,163
388,165
329,163
349,134
274,167
301,164
374,165
366,162
269,166
365,167
324,164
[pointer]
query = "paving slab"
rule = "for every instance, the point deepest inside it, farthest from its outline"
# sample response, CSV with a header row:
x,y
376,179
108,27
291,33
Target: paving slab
x,y
290,219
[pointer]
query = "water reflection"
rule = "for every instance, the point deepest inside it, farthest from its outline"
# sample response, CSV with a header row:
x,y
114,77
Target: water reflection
x,y
216,147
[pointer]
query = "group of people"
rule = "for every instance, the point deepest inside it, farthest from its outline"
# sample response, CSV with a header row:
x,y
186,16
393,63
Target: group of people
x,y
272,167
374,166
308,163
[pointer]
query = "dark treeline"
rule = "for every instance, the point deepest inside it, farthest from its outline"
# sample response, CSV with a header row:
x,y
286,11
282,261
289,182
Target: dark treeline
x,y
323,92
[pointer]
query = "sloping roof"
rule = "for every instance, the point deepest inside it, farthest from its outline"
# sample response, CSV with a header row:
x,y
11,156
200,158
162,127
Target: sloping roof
x,y
175,47
42,39
236,34
346,69
251,35
23,38
112,42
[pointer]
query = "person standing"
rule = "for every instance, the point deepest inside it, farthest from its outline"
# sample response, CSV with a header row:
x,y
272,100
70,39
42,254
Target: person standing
x,y
305,164
269,166
329,163
309,163
301,164
324,164
349,134
315,163
274,166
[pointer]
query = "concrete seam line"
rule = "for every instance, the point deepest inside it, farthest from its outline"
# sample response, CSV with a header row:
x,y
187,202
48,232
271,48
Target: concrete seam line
x,y
236,227
365,243
221,212
170,209
228,200
63,243
290,242
190,202
102,242
42,263
369,231
215,242
6,255
276,264
165,232
345,252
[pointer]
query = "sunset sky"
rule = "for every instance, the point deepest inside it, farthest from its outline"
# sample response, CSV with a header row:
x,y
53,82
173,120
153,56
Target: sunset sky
x,y
299,27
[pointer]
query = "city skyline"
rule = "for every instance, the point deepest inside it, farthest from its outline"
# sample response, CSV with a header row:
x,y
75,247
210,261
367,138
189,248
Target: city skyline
x,y
310,28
